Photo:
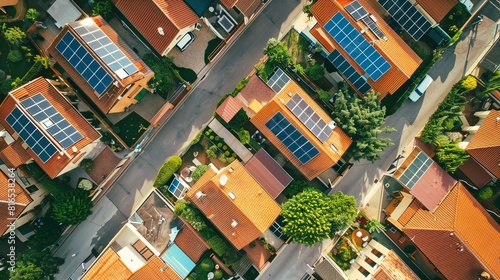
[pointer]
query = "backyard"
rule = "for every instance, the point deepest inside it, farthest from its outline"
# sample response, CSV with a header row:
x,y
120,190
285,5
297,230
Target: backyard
x,y
131,128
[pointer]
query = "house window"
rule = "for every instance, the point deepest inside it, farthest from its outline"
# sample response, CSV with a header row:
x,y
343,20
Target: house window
x,y
32,189
339,165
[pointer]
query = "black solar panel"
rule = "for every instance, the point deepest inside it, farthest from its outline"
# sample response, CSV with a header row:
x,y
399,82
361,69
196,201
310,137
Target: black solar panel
x,y
278,80
372,25
50,119
415,170
356,10
354,78
408,17
309,117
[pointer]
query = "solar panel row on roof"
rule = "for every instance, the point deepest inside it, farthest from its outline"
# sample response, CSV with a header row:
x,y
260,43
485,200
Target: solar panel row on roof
x,y
83,62
278,80
349,72
309,117
351,40
31,135
356,10
288,134
415,170
407,16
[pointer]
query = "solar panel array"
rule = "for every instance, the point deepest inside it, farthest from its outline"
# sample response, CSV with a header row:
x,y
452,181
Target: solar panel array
x,y
292,138
415,170
86,65
106,49
351,40
372,25
176,188
48,116
309,117
356,10
407,16
31,135
278,80
349,72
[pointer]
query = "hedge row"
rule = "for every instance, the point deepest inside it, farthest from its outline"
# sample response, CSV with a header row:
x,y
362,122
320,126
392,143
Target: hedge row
x,y
167,170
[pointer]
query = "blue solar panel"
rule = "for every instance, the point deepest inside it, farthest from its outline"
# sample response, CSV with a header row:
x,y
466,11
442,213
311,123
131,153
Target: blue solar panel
x,y
84,63
176,188
31,135
407,16
278,80
349,72
292,138
351,40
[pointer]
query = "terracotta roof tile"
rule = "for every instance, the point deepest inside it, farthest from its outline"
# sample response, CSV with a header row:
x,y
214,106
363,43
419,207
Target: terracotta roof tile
x,y
485,144
475,172
22,200
252,208
228,109
393,267
15,155
437,9
327,156
229,3
191,243
108,99
154,269
248,7
270,175
403,60
57,163
104,164
171,15
256,89
108,267
409,212
457,238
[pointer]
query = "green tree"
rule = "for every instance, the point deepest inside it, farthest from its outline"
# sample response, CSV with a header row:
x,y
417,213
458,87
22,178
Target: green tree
x,y
244,136
192,215
485,193
44,61
72,207
102,8
295,187
167,170
492,84
324,95
316,72
213,151
199,171
45,236
362,120
311,216
26,271
374,225
87,164
448,154
165,75
2,76
14,35
278,54
307,10
32,14
15,56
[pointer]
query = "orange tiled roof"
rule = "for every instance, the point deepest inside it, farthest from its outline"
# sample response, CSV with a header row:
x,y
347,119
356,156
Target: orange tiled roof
x,y
485,144
252,208
110,267
403,60
437,9
327,156
106,100
256,89
459,237
229,3
22,200
248,7
228,109
191,243
15,155
409,212
148,15
40,85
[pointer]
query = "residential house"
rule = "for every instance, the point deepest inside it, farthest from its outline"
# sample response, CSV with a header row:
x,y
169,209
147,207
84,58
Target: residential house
x,y
235,203
100,63
245,7
374,261
295,124
483,146
459,238
162,23
154,244
40,124
365,50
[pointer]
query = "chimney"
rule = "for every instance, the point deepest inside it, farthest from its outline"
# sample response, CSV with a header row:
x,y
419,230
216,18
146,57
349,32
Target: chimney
x,y
200,195
160,30
231,170
234,223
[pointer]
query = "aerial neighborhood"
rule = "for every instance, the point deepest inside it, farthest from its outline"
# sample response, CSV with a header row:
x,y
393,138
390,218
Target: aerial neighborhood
x,y
250,139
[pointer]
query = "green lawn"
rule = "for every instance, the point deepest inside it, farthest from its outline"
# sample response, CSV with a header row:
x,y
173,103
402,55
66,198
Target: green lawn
x,y
456,17
298,47
131,128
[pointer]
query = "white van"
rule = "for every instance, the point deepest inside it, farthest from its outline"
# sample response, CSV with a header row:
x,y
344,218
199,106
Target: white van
x,y
185,41
421,88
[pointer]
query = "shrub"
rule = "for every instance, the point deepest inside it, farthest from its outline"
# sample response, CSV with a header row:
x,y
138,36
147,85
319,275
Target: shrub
x,y
32,14
185,210
211,137
469,83
344,253
212,152
219,145
199,171
224,148
197,138
167,170
316,72
218,245
225,159
207,264
295,187
244,136
485,193
117,129
227,153
217,138
218,274
237,122
87,164
324,95
15,56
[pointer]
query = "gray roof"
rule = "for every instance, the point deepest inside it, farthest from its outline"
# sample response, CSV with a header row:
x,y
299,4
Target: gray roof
x,y
492,60
326,270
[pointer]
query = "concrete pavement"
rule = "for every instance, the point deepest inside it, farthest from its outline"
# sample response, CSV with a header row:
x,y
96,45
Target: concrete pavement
x,y
134,186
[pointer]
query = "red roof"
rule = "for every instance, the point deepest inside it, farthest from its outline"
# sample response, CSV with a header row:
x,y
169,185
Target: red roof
x,y
149,15
22,200
268,173
475,172
437,9
228,109
57,163
191,243
15,155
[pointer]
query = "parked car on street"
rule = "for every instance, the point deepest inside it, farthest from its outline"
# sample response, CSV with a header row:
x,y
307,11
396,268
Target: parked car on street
x,y
421,88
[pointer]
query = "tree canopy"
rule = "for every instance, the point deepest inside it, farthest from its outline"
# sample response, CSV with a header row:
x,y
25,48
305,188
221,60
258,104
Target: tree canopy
x,y
278,54
72,207
362,120
102,8
311,216
448,154
32,14
36,264
14,35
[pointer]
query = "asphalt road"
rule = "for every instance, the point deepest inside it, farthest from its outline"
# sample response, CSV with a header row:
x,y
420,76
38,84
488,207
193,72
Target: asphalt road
x,y
132,188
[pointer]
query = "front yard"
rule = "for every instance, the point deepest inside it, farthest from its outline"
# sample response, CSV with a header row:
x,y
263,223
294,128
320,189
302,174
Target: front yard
x,y
131,128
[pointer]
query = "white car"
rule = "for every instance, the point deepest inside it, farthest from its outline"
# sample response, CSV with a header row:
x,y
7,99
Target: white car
x,y
420,89
185,41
